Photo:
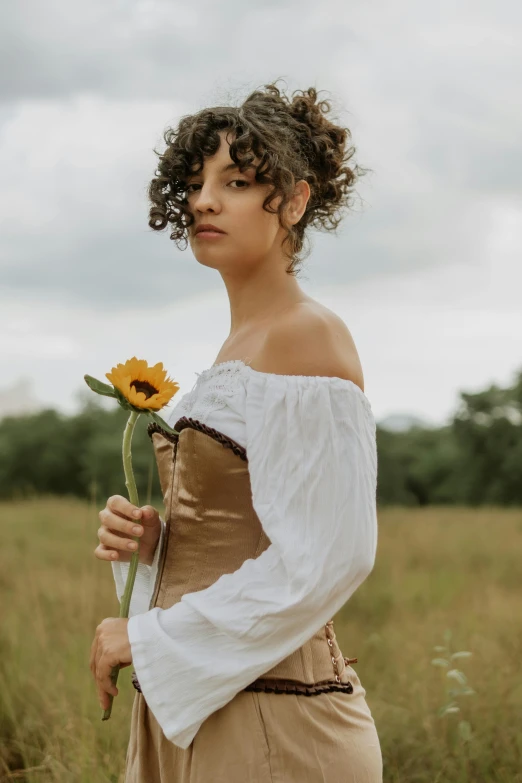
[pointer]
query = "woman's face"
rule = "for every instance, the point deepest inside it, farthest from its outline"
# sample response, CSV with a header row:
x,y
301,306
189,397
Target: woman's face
x,y
233,201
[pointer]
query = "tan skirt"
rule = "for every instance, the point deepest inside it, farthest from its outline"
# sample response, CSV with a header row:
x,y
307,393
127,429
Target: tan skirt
x,y
264,738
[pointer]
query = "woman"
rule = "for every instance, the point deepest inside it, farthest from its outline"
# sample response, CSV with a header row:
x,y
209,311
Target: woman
x,y
269,483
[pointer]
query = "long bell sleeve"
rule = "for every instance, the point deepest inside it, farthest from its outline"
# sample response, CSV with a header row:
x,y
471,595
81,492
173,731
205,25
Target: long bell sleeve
x,y
311,451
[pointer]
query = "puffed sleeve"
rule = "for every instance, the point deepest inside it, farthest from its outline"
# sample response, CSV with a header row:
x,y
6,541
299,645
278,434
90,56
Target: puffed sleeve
x,y
311,450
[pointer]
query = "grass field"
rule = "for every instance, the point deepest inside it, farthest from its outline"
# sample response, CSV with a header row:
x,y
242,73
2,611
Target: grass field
x,y
437,570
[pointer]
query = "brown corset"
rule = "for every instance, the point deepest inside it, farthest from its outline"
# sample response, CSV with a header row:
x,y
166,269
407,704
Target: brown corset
x,y
211,529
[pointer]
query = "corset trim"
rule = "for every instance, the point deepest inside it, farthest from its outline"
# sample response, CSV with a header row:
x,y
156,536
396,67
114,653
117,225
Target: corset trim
x,y
225,441
186,421
155,427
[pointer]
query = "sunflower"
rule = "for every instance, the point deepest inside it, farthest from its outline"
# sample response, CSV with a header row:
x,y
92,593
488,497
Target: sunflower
x,y
144,387
139,389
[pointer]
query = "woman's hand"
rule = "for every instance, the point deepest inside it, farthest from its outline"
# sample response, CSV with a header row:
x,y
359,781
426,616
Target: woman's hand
x,y
119,524
110,647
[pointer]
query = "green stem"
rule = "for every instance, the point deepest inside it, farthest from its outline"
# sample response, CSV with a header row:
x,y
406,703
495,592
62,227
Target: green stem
x,y
130,483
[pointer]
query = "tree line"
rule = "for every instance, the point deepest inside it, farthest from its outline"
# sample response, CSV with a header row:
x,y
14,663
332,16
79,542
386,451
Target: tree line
x,y
476,459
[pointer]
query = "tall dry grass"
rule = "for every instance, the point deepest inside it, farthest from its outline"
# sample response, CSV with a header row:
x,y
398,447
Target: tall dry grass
x,y
436,569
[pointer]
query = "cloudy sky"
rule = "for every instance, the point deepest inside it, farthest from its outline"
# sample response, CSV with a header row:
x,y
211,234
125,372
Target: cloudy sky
x,y
425,271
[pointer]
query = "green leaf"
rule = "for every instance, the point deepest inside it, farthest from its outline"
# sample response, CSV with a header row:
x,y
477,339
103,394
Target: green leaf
x,y
455,674
463,654
162,423
99,387
440,662
467,692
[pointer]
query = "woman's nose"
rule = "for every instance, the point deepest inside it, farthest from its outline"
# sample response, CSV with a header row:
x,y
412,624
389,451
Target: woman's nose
x,y
207,197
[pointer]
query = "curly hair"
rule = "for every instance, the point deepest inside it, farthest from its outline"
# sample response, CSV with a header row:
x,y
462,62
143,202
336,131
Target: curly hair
x,y
293,140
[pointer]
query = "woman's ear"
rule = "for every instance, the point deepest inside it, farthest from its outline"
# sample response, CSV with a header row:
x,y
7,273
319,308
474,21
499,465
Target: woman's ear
x,y
297,204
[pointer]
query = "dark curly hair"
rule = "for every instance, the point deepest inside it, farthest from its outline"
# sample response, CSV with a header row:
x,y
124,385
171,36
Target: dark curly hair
x,y
293,139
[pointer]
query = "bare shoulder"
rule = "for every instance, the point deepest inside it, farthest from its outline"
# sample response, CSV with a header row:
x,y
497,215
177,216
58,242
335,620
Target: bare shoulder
x,y
310,339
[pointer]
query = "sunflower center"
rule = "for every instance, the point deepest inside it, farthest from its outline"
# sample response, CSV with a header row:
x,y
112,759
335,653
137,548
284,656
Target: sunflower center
x,y
147,389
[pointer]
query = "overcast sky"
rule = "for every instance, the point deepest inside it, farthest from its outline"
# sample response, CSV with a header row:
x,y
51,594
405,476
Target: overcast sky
x,y
426,271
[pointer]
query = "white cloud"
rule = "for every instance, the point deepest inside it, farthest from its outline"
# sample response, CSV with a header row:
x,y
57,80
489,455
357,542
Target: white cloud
x,y
425,272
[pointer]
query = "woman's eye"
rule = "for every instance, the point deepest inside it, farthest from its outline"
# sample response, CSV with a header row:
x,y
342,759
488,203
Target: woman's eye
x,y
196,184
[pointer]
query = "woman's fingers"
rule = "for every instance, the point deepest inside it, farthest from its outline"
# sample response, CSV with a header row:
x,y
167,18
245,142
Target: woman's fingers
x,y
105,553
117,541
118,534
115,536
118,524
120,505
101,673
103,680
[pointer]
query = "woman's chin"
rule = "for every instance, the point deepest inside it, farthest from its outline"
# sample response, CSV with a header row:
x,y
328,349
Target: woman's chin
x,y
208,259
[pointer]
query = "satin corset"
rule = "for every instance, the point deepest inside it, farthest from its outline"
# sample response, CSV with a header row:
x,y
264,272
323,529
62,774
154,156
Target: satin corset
x,y
211,529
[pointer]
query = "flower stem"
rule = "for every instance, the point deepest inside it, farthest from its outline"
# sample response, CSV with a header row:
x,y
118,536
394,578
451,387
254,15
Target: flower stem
x,y
130,483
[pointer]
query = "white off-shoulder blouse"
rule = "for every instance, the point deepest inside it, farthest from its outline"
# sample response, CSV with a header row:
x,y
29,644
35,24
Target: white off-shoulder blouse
x,y
312,461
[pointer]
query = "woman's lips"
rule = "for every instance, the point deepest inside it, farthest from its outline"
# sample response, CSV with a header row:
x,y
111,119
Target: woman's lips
x,y
210,234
